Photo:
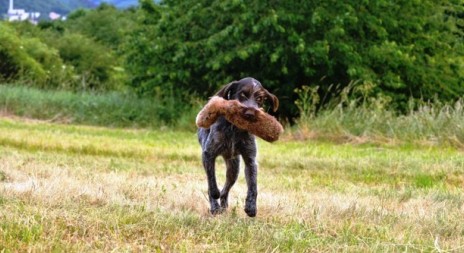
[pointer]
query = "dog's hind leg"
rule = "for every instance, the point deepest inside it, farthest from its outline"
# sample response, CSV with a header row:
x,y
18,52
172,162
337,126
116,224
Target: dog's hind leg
x,y
233,168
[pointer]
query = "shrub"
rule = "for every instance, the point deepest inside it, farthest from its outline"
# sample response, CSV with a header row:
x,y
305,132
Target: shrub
x,y
16,62
95,66
58,74
28,59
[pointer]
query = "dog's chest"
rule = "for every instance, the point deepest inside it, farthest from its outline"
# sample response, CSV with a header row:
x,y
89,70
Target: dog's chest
x,y
227,143
230,148
226,140
231,143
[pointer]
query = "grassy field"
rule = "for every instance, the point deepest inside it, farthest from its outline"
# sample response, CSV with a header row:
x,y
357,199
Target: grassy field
x,y
70,188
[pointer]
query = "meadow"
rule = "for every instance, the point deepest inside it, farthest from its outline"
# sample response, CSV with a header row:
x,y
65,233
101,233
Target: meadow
x,y
71,188
98,151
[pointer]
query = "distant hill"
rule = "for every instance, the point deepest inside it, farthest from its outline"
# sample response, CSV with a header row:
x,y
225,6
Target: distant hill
x,y
61,6
122,3
117,3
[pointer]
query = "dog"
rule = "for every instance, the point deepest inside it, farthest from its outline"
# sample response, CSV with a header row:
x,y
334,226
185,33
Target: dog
x,y
226,140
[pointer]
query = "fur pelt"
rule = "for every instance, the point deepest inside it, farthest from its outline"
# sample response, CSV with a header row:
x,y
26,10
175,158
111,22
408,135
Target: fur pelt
x,y
258,122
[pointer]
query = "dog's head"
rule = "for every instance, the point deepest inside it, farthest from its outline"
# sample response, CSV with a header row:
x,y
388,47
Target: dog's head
x,y
249,92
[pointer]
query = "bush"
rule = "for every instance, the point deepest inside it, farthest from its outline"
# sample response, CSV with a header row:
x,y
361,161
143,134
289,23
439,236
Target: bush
x,y
16,62
106,24
95,66
84,64
57,74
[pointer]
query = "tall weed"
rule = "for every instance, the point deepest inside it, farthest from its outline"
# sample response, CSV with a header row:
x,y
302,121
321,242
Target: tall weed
x,y
372,119
109,109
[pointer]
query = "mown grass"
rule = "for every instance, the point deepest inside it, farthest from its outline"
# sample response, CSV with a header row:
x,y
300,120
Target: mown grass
x,y
78,189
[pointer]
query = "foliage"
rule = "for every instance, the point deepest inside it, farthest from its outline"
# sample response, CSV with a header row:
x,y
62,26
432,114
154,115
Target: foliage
x,y
179,49
29,59
58,74
47,6
93,62
11,52
105,24
88,56
139,50
90,41
62,7
199,45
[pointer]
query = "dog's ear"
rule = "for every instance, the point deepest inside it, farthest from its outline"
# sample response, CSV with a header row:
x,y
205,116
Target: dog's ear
x,y
274,99
228,89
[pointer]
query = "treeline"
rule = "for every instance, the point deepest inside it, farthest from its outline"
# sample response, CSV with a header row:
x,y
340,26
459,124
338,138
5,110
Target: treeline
x,y
62,7
47,6
181,49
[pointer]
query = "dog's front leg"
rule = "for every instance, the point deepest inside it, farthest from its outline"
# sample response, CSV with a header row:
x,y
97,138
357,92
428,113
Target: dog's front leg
x,y
251,176
213,191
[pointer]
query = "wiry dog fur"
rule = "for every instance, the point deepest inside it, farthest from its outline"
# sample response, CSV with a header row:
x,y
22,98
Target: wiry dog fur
x,y
224,139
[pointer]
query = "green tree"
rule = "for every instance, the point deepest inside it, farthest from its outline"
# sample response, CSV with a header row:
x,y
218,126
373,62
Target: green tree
x,y
95,65
29,60
46,6
399,49
105,24
84,64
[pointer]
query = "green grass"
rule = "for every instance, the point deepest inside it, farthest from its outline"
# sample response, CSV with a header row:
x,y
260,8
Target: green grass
x,y
113,109
351,121
429,124
356,115
71,188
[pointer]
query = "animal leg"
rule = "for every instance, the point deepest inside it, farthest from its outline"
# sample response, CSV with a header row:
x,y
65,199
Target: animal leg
x,y
233,168
213,191
251,175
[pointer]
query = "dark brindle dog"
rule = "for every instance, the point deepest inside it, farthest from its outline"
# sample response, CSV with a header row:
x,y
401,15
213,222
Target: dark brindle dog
x,y
226,140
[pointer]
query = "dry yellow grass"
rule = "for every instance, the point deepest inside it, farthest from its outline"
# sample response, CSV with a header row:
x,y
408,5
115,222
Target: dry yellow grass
x,y
70,188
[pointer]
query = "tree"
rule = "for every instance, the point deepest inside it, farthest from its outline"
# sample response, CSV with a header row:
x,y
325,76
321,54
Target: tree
x,y
68,59
105,24
29,60
400,48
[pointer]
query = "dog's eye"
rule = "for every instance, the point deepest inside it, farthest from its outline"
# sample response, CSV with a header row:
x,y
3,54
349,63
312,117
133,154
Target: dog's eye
x,y
261,100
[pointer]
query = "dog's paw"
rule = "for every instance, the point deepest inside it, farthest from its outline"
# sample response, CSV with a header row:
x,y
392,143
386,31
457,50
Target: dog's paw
x,y
217,211
224,203
250,211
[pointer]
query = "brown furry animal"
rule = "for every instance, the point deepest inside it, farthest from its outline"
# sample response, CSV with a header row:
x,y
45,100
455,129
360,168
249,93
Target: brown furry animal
x,y
250,119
